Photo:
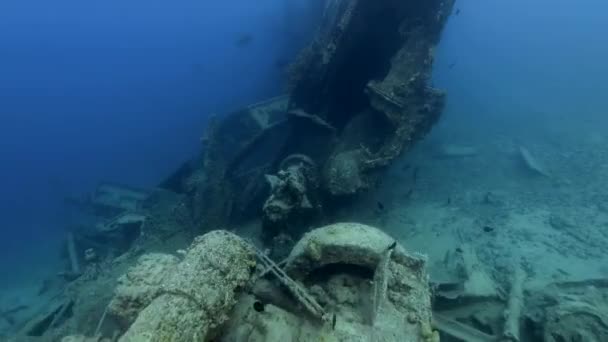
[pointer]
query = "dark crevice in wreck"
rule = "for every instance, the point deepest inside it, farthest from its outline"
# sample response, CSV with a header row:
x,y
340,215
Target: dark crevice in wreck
x,y
362,57
324,273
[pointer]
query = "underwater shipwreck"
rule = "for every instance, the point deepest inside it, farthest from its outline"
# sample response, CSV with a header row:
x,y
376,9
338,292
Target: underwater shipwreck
x,y
255,240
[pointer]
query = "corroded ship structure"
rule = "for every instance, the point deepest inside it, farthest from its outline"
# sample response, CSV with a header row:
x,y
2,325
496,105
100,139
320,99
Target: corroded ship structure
x,y
359,95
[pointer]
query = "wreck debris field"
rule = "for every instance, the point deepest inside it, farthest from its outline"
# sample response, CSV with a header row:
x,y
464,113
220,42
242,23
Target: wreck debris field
x,y
304,170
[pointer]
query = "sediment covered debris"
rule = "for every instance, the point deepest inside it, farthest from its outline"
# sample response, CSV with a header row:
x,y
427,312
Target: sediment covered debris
x,y
343,282
570,311
292,193
532,163
195,296
140,286
369,286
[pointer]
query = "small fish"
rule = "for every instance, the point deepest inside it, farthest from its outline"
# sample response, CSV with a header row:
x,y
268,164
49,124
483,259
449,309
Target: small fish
x,y
393,245
415,174
457,11
451,65
333,322
449,201
409,193
488,229
380,205
281,63
244,40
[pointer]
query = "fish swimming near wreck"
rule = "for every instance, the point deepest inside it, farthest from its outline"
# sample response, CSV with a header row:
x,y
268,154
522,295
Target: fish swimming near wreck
x,y
243,40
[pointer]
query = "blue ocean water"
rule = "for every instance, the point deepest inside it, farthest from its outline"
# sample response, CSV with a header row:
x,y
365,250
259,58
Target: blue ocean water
x,y
120,91
516,56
